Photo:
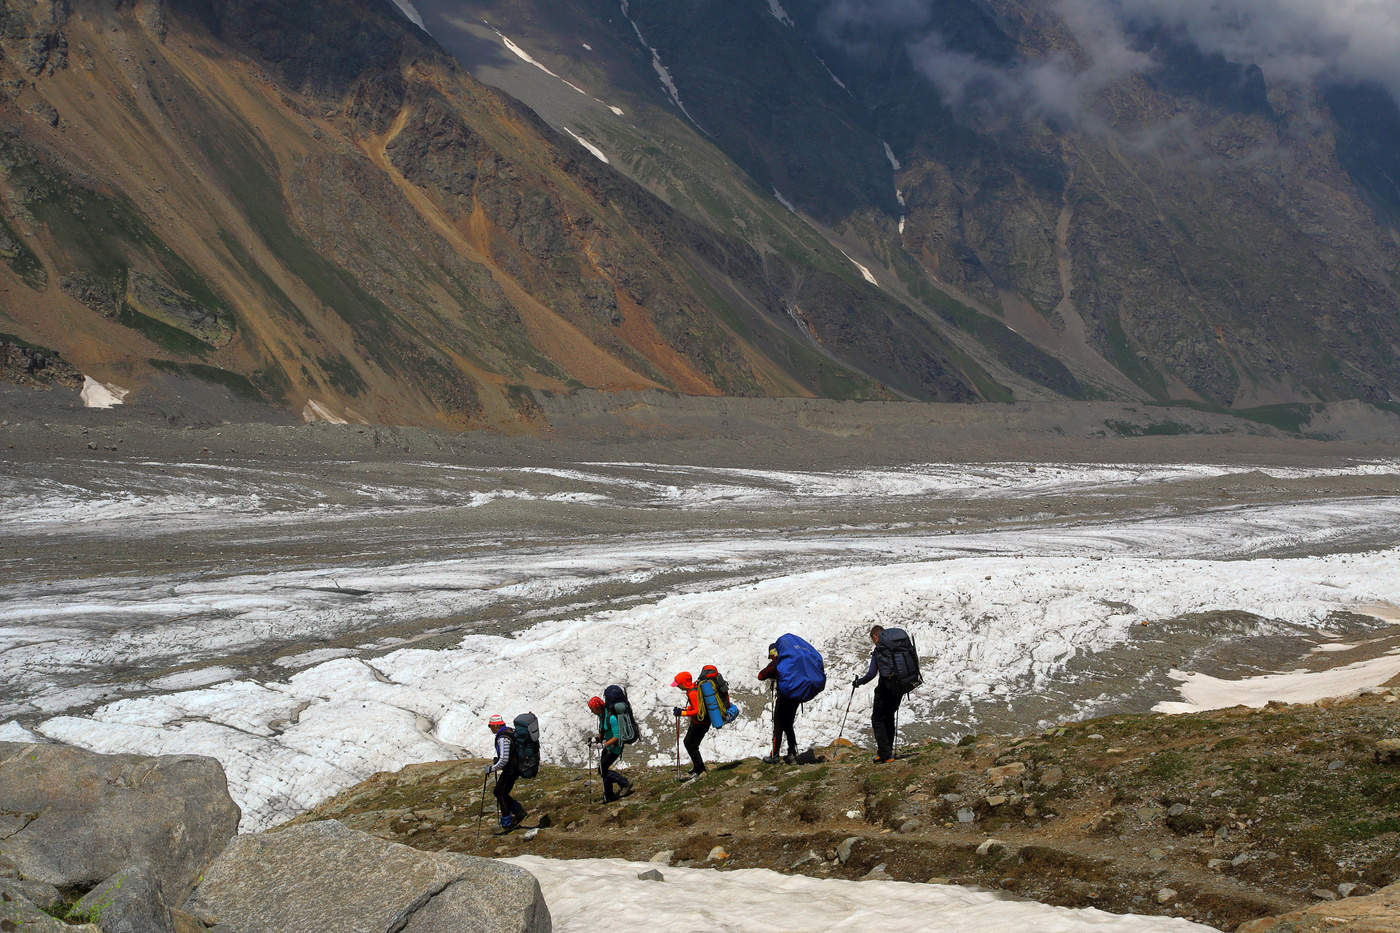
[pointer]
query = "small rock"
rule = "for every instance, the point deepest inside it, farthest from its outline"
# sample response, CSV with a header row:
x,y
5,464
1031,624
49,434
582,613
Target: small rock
x,y
1346,888
1115,751
910,826
1322,894
771,789
1096,737
995,800
999,776
877,873
663,857
1239,860
992,847
530,834
717,854
1335,765
1147,814
1388,752
1052,776
843,851
1176,809
967,815
1156,854
42,895
938,879
952,798
852,814
807,859
1166,896
1217,864
651,874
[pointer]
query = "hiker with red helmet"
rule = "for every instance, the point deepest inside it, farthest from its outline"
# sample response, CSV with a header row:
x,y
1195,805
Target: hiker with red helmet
x,y
507,769
610,734
699,722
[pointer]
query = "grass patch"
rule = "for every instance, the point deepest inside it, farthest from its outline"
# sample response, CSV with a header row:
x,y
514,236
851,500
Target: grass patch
x,y
162,334
20,258
239,385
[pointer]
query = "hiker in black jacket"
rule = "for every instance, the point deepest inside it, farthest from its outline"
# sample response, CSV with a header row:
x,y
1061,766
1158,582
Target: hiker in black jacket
x,y
784,712
506,769
887,699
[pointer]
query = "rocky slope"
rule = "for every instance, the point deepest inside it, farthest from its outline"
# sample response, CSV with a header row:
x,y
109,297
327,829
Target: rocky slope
x,y
321,209
1092,203
1225,817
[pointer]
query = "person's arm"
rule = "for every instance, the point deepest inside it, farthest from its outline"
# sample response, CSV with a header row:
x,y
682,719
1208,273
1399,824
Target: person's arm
x,y
502,754
770,671
870,672
693,698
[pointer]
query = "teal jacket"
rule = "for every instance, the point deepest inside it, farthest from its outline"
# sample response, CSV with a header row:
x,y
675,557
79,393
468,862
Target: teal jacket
x,y
607,727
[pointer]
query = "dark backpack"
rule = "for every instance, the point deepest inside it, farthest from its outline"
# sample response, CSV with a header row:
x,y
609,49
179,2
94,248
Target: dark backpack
x,y
801,674
615,702
897,660
526,747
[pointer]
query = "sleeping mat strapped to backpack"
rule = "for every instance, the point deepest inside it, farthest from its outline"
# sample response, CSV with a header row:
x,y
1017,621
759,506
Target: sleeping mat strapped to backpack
x,y
714,694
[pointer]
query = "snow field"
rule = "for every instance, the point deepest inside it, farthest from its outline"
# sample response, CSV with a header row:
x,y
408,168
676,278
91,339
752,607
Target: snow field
x,y
590,895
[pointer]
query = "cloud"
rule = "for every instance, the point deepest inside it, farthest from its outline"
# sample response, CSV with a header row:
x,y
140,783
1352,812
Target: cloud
x,y
1292,40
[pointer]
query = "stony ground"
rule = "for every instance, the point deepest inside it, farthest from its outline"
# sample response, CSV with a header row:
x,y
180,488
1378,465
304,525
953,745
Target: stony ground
x,y
1222,817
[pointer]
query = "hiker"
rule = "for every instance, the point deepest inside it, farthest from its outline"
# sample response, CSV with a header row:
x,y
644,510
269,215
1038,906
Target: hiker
x,y
784,712
610,733
506,767
797,674
897,663
699,722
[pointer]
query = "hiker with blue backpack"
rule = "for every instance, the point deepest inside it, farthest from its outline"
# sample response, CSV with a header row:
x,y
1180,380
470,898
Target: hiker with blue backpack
x,y
895,661
797,674
617,728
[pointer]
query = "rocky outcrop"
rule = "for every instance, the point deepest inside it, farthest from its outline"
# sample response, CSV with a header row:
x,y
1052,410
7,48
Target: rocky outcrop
x,y
324,876
23,364
73,818
1375,913
17,912
161,302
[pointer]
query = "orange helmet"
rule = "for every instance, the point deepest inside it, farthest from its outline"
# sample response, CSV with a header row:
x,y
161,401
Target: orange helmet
x,y
683,680
595,704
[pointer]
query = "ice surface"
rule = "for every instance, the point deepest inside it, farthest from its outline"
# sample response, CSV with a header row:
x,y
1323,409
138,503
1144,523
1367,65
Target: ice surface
x,y
14,732
894,163
597,153
101,395
780,14
315,411
589,895
663,74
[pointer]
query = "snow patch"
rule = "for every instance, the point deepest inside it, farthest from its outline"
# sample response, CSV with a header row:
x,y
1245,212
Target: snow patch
x,y
780,14
1202,692
783,201
407,8
889,154
663,74
528,59
901,226
864,270
597,153
744,901
315,411
831,74
586,46
616,110
102,394
14,732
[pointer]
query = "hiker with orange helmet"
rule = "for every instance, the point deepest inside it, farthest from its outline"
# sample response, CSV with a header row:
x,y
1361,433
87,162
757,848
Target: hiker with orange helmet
x,y
699,722
610,734
506,768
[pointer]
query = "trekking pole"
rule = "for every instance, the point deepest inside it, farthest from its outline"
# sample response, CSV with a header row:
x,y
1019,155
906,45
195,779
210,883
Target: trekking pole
x,y
678,748
847,713
481,810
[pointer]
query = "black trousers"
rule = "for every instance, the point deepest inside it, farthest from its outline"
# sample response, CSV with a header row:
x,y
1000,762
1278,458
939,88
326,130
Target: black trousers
x,y
505,803
610,778
784,713
693,735
882,719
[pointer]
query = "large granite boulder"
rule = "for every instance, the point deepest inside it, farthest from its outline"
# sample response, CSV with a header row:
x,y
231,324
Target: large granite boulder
x,y
127,902
74,818
326,878
1376,913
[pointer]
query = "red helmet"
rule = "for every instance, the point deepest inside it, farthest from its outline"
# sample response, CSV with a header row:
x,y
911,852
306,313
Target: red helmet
x,y
595,704
683,680
709,670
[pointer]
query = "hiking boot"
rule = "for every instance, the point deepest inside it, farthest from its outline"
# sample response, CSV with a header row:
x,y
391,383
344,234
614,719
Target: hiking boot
x,y
626,791
790,758
880,759
770,760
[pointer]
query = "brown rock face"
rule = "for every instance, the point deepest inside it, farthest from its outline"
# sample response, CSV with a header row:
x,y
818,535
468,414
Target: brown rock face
x,y
1376,913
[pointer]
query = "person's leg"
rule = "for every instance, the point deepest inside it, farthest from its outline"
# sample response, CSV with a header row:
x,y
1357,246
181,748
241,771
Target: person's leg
x,y
605,763
505,780
693,735
882,721
787,710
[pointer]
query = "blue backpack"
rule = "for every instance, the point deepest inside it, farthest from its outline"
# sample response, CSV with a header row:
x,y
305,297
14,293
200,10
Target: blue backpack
x,y
801,674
